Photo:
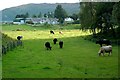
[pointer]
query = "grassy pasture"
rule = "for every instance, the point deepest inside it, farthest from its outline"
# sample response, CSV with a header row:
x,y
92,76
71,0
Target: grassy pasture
x,y
77,59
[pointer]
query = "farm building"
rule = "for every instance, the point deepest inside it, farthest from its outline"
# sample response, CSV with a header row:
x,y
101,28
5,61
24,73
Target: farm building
x,y
42,20
19,21
69,20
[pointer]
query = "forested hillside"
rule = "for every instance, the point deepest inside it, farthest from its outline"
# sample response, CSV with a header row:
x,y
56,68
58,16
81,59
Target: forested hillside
x,y
34,9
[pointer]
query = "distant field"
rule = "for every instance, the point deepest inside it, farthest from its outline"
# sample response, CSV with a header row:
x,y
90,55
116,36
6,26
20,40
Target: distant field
x,y
40,27
78,58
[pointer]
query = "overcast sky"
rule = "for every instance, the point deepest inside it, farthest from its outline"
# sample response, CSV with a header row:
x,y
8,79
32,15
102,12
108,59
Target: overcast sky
x,y
11,3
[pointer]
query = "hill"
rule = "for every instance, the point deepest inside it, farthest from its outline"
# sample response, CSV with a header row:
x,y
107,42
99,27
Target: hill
x,y
9,14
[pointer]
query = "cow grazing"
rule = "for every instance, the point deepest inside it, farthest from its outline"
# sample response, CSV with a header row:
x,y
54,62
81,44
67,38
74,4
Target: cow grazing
x,y
19,37
55,40
103,41
18,29
47,45
60,32
52,32
61,44
105,49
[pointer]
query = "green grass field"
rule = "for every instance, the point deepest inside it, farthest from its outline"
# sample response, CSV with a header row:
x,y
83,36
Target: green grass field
x,y
78,58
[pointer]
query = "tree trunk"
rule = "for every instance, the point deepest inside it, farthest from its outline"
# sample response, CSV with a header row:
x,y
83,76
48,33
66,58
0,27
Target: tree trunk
x,y
113,32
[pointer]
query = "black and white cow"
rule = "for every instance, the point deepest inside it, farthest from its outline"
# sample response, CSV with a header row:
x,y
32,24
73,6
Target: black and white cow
x,y
19,37
103,41
52,32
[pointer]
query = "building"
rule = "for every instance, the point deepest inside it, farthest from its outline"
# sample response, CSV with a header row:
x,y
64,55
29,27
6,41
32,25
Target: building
x,y
19,21
69,20
42,20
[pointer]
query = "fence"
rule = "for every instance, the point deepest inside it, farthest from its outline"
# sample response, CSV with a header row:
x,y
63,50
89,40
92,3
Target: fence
x,y
10,46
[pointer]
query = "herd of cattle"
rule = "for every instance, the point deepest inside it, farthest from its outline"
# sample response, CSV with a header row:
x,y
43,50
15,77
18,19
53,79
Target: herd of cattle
x,y
47,44
106,48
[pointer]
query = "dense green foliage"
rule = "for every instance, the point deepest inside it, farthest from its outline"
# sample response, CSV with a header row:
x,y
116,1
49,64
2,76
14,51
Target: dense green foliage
x,y
74,16
77,59
102,18
6,39
60,14
22,15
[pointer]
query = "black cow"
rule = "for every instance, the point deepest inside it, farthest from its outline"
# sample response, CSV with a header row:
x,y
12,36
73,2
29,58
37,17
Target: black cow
x,y
47,45
19,37
103,41
55,40
52,32
61,44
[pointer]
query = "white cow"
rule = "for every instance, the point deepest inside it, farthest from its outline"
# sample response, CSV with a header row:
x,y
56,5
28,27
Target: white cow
x,y
107,49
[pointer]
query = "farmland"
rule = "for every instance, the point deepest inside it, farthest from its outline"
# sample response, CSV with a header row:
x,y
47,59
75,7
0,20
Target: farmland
x,y
78,58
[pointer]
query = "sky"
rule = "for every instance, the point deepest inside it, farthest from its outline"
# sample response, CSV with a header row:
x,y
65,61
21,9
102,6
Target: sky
x,y
12,3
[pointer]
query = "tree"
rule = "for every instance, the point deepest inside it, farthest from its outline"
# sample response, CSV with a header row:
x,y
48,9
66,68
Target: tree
x,y
45,15
60,13
97,16
50,15
20,16
34,16
116,18
116,13
40,15
27,15
87,16
74,16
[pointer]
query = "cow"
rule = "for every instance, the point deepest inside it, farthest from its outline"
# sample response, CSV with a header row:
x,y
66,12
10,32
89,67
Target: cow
x,y
52,32
107,49
55,40
61,44
19,37
60,32
103,41
47,45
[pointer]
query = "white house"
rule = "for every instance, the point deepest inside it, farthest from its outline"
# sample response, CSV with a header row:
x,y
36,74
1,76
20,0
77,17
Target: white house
x,y
69,19
19,21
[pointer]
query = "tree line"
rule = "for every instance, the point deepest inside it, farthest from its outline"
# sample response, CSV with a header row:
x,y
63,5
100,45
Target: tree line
x,y
101,18
27,15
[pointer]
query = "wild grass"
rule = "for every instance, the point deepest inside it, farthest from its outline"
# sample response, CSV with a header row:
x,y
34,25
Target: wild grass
x,y
78,58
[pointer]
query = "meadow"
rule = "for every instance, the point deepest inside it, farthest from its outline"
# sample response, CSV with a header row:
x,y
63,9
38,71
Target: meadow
x,y
78,58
